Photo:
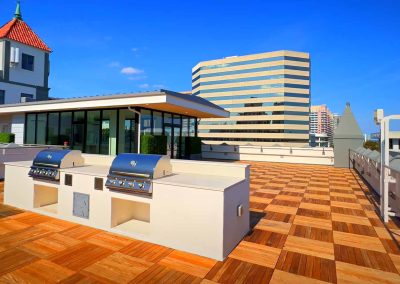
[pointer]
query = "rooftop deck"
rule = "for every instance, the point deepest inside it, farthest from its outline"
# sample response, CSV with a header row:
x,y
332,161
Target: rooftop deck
x,y
311,224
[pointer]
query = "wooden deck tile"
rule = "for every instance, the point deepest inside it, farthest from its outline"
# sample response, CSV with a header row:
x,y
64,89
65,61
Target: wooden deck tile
x,y
256,253
313,222
236,271
80,256
309,247
8,226
282,277
118,267
350,273
364,257
81,232
41,271
49,245
350,219
162,274
281,209
273,226
267,238
311,233
358,241
147,251
13,259
20,237
354,229
306,265
109,241
188,263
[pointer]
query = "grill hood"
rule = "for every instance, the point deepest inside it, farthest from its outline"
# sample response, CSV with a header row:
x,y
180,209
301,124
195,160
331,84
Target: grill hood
x,y
147,166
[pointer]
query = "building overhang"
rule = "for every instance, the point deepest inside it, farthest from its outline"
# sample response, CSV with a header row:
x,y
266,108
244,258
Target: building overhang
x,y
162,100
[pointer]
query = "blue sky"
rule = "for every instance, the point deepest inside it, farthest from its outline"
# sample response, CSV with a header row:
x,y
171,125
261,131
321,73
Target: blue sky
x,y
103,47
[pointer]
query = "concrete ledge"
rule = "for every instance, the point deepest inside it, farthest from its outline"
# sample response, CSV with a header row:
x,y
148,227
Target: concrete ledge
x,y
296,155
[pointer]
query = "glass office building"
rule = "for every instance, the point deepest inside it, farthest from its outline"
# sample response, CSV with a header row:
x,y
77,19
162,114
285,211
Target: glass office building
x,y
267,95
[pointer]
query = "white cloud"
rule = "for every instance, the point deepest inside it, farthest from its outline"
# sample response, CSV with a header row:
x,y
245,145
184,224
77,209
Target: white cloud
x,y
135,49
114,64
144,86
131,71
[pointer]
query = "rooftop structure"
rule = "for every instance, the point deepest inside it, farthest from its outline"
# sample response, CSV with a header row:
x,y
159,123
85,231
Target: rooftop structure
x,y
109,124
24,62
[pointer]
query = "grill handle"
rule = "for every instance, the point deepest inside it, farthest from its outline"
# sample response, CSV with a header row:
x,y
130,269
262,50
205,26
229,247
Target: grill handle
x,y
45,165
132,174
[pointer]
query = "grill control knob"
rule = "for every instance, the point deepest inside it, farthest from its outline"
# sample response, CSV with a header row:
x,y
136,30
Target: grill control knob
x,y
141,185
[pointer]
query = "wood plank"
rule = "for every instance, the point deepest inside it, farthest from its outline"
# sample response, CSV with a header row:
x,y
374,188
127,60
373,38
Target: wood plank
x,y
310,247
41,271
350,273
255,253
189,263
358,241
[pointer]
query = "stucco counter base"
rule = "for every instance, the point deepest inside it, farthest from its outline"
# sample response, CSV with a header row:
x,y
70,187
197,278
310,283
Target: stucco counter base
x,y
203,214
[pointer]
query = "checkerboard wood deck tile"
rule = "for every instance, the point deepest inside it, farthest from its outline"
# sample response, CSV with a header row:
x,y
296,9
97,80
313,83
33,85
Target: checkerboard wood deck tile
x,y
312,224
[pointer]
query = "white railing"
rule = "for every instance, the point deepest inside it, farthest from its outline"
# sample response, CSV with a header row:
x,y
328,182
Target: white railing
x,y
370,170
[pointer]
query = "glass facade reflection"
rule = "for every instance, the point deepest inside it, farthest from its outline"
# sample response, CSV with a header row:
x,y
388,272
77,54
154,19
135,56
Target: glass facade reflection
x,y
108,131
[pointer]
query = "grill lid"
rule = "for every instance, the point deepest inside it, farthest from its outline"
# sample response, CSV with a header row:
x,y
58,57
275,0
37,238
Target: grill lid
x,y
138,165
50,158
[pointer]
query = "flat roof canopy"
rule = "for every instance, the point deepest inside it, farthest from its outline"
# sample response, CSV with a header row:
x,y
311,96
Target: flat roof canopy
x,y
162,100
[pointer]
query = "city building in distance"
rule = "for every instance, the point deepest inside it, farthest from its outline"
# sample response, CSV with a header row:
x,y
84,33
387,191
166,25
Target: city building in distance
x,y
267,95
322,125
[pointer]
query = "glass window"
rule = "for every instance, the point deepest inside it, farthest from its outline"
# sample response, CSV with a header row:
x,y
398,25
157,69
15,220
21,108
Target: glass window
x,y
177,136
30,129
168,131
192,126
78,130
2,97
52,129
27,62
108,144
41,128
145,121
185,133
127,132
92,145
65,128
157,123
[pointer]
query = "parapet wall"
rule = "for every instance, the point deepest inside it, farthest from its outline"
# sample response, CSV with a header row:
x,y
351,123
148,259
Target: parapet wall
x,y
295,155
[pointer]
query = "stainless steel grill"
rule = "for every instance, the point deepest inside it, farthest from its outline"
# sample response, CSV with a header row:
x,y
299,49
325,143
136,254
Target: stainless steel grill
x,y
47,163
134,173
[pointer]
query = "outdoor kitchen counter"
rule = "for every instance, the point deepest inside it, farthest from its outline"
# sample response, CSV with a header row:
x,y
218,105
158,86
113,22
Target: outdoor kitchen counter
x,y
91,170
207,182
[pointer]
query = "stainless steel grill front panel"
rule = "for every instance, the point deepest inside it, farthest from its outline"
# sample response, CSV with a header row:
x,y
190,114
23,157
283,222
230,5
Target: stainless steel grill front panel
x,y
47,163
134,173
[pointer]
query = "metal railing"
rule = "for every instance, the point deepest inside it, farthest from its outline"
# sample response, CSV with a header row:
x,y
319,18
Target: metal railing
x,y
370,170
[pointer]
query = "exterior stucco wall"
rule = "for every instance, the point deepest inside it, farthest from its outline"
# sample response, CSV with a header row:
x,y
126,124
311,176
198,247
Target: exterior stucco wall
x,y
35,77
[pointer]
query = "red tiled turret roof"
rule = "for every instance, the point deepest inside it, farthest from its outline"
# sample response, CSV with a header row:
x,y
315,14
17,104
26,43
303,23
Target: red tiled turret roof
x,y
19,31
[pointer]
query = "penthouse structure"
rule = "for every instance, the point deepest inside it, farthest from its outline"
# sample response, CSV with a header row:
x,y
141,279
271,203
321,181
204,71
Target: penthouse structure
x,y
267,95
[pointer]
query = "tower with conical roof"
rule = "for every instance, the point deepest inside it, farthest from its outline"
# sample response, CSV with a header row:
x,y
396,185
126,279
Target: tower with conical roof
x,y
24,62
347,136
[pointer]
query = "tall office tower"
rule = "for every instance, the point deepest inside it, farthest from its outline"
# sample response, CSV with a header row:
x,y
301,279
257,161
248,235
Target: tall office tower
x,y
321,126
267,94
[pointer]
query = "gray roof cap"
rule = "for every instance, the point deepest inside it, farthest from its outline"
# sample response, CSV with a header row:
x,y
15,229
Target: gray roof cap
x,y
348,126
